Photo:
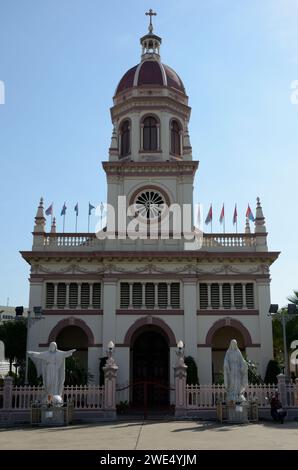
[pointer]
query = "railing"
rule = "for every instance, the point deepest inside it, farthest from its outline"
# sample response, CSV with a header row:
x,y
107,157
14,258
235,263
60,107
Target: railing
x,y
207,396
89,240
204,396
65,240
229,240
23,396
83,397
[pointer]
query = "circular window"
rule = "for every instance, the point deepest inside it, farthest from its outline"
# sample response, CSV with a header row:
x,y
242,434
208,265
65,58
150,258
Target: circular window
x,y
150,204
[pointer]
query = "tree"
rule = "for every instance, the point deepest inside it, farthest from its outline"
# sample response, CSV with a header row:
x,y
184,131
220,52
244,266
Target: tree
x,y
273,369
14,336
75,373
191,371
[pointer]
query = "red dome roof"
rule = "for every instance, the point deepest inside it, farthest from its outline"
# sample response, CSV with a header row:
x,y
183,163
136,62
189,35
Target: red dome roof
x,y
150,72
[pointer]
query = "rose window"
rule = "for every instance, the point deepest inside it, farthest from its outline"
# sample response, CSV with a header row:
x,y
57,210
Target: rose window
x,y
150,204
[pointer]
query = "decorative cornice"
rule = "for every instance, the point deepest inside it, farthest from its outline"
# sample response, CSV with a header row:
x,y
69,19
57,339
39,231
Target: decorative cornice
x,y
64,311
159,312
229,312
266,257
160,168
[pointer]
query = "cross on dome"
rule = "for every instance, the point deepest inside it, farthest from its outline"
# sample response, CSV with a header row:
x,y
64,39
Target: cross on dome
x,y
150,13
150,42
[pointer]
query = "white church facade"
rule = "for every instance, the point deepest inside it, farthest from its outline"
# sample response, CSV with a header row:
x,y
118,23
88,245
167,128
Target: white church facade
x,y
146,294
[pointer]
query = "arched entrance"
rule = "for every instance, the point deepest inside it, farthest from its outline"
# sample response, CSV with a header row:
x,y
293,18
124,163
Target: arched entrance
x,y
74,337
150,367
220,343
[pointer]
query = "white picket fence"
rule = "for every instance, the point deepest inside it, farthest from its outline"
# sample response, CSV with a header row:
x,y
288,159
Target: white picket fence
x,y
84,397
207,396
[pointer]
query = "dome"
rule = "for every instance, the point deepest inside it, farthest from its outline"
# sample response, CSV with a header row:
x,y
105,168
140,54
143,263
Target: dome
x,y
150,72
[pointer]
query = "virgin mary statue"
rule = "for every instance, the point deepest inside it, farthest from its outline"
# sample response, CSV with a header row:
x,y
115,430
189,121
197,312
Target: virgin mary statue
x,y
235,373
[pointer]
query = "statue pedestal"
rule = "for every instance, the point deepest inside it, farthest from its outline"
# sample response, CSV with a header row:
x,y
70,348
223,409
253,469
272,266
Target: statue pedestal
x,y
43,415
52,416
232,413
237,413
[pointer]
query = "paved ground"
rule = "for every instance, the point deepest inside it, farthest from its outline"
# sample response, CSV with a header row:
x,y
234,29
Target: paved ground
x,y
154,435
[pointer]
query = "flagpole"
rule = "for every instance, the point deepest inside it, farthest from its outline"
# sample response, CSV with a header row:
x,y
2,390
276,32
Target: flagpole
x,y
63,221
88,220
52,214
224,219
76,223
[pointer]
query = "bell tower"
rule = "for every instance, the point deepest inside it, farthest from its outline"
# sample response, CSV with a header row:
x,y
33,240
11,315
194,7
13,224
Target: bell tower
x,y
150,157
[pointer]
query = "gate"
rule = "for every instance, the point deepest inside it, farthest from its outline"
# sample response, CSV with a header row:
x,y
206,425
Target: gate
x,y
148,396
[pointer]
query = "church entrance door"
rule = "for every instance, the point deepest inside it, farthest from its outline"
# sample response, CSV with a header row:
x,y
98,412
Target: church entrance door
x,y
150,370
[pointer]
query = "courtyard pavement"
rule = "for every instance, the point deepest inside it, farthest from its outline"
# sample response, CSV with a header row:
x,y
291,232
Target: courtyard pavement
x,y
170,435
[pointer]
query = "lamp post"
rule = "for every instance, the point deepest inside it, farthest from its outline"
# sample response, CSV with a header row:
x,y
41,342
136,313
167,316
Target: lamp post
x,y
31,320
292,311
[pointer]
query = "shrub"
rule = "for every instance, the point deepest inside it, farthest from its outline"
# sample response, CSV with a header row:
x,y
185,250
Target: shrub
x,y
192,371
273,369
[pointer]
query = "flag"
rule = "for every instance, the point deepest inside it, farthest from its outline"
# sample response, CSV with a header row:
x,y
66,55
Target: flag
x,y
235,215
63,211
90,208
209,216
77,209
222,214
49,210
249,214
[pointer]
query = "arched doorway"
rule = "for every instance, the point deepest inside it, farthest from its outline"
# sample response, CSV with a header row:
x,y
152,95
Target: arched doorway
x,y
150,367
74,337
220,343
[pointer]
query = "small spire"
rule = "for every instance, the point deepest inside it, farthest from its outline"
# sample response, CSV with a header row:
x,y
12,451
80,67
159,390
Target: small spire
x,y
114,141
260,219
40,220
53,226
150,42
247,226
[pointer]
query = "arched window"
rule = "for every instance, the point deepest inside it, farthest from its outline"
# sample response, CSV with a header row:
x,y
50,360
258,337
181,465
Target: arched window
x,y
150,133
175,138
125,139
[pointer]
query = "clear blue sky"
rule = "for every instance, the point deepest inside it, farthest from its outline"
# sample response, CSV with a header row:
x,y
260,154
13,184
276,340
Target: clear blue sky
x,y
61,60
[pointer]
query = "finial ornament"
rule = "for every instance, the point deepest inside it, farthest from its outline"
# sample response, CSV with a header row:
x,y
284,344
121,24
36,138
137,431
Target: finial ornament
x,y
150,13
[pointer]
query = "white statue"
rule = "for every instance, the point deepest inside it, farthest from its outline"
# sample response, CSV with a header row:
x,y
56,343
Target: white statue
x,y
51,364
235,373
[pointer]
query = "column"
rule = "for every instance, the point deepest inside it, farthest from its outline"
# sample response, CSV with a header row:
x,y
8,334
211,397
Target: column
x,y
130,295
79,295
282,391
209,296
143,295
156,295
180,371
142,137
7,392
55,295
244,296
190,317
205,365
67,296
90,295
232,297
109,312
169,295
110,371
264,336
220,296
158,136
94,354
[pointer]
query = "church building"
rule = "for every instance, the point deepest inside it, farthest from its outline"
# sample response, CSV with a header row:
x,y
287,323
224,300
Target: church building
x,y
147,293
